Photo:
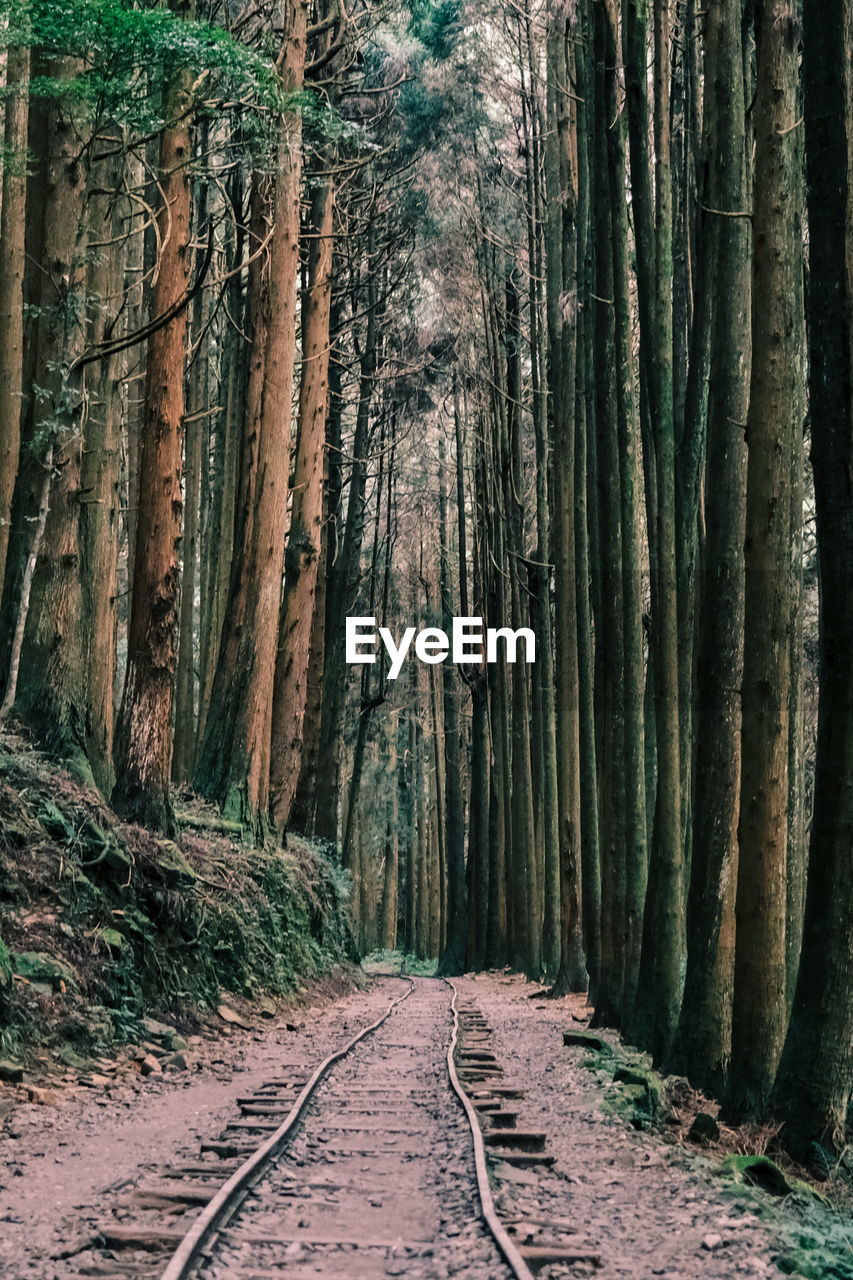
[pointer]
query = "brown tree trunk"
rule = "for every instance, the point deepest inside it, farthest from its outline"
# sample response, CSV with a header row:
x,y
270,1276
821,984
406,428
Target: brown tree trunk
x,y
304,563
561,284
390,869
52,682
234,767
453,953
12,260
703,1042
183,757
664,927
759,1011
812,1088
99,512
144,732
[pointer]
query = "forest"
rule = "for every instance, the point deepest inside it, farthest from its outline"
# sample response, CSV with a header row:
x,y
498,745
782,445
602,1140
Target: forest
x,y
539,313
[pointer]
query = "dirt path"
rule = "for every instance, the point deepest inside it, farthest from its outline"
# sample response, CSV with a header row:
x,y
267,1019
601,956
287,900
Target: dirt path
x,y
628,1194
380,1181
64,1165
393,1167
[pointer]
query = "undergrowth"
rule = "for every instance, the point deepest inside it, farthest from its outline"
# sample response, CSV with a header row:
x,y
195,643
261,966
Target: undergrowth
x,y
102,921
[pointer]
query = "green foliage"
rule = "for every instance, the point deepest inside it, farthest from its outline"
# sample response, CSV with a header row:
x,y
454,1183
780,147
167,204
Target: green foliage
x,y
126,52
425,111
123,922
436,23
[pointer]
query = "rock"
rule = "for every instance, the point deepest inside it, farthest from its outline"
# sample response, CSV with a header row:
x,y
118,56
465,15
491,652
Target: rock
x,y
586,1040
155,1030
38,966
11,1073
114,941
149,1066
228,1015
40,1097
759,1171
291,1026
266,1006
712,1242
69,1058
704,1128
644,1086
175,1061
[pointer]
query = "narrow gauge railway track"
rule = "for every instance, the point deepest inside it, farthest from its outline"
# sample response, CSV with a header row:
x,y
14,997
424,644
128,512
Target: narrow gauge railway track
x,y
366,1173
369,1176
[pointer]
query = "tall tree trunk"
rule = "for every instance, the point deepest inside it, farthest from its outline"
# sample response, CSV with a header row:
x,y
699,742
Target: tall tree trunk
x,y
609,615
343,580
661,976
527,939
194,437
584,425
12,260
219,540
52,683
759,1012
144,732
234,766
561,286
304,563
704,1034
813,1084
453,956
99,510
628,434
388,922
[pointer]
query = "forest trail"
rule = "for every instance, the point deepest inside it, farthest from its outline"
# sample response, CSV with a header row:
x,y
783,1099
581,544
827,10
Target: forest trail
x,y
644,1205
380,1178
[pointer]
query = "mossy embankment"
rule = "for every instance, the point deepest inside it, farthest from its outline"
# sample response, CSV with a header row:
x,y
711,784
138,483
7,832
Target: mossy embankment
x,y
102,922
811,1223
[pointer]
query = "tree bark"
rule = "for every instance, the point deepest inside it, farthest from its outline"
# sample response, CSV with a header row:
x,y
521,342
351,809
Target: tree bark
x,y
234,767
661,973
304,594
99,511
144,731
759,1012
813,1084
12,260
703,1043
52,683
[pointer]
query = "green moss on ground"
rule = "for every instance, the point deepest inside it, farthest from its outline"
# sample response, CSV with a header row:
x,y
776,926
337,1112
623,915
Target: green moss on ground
x,y
101,921
814,1236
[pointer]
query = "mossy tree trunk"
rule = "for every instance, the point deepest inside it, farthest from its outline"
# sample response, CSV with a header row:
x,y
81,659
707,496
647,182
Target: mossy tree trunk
x,y
813,1084
704,1034
12,262
759,1010
144,731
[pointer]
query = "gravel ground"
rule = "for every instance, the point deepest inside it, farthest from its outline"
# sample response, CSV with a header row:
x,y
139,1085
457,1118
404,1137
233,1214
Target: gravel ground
x,y
629,1194
407,1176
64,1164
380,1180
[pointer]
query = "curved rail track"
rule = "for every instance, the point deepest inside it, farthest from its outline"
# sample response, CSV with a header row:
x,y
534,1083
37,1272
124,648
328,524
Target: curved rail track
x,y
365,1172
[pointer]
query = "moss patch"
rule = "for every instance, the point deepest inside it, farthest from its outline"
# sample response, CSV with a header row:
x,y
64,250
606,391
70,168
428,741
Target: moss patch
x,y
102,921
